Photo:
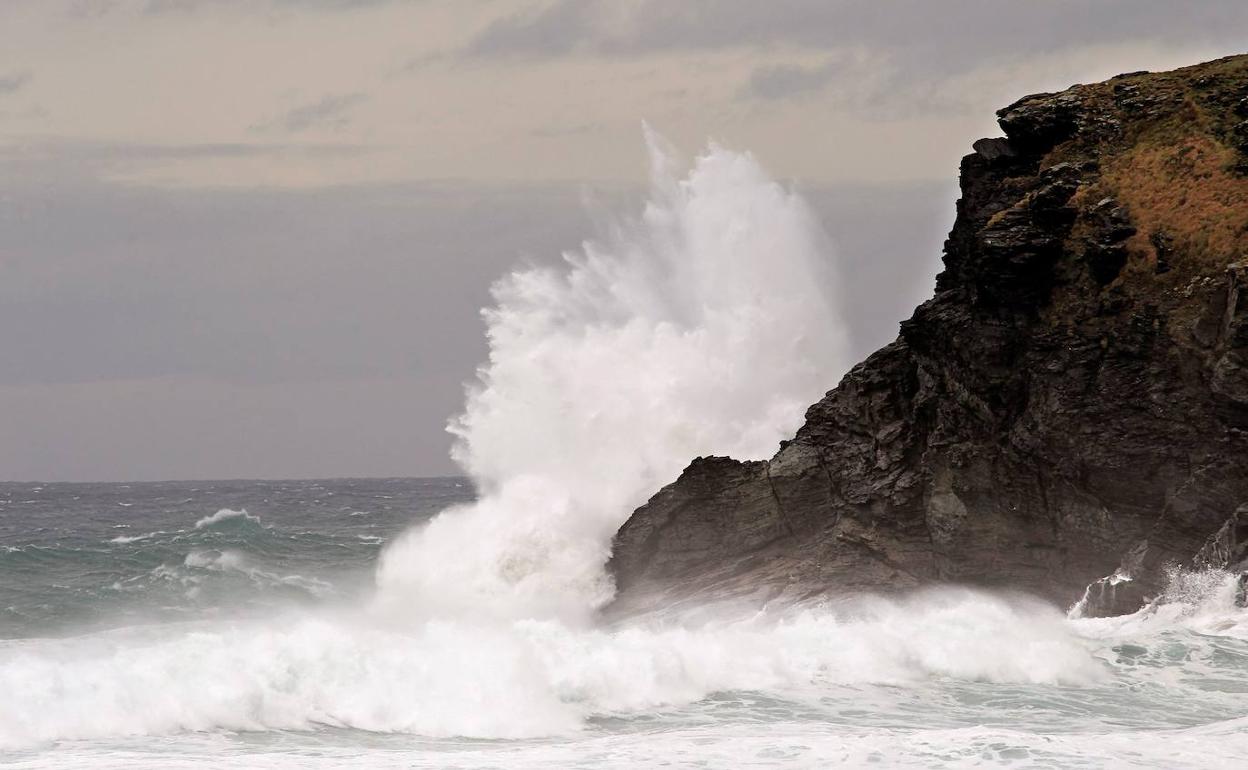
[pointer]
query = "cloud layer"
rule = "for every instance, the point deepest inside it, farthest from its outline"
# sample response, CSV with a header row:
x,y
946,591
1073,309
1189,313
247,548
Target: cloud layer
x,y
251,237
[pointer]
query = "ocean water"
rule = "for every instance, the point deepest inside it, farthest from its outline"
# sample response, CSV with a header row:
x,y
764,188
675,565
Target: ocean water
x,y
208,624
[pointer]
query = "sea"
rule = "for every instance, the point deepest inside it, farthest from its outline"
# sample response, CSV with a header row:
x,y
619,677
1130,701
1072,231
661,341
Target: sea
x,y
235,624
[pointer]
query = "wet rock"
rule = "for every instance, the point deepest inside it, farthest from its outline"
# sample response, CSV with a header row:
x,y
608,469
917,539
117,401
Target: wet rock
x,y
1061,411
1228,547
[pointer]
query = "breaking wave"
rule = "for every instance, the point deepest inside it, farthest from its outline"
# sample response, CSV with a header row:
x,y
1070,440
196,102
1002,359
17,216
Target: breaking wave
x,y
533,678
704,325
225,515
522,679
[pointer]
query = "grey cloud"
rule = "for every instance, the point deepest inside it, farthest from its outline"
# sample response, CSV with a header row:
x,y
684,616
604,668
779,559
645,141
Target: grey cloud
x,y
939,35
871,90
575,129
781,81
42,161
330,111
14,82
341,4
171,6
106,282
556,30
902,46
160,152
888,244
219,308
156,7
89,9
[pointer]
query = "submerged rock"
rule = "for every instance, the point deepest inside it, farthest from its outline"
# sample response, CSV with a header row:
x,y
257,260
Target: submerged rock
x,y
1069,410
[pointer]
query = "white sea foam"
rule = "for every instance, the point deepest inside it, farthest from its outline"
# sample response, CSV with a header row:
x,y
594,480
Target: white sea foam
x,y
878,658
219,561
234,561
705,325
511,680
761,744
1201,601
225,514
126,539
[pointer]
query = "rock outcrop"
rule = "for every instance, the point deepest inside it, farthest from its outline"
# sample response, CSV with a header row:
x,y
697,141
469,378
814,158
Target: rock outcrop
x,y
1071,405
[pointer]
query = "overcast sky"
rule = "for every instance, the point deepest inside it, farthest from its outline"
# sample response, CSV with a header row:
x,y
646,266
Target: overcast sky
x,y
249,238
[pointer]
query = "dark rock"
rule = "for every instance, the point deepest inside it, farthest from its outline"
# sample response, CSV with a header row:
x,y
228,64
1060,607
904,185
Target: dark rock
x,y
1063,410
1163,246
1230,369
997,148
1105,247
1038,123
1228,547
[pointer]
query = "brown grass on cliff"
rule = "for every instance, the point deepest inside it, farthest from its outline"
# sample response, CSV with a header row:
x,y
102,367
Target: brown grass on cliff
x,y
1182,183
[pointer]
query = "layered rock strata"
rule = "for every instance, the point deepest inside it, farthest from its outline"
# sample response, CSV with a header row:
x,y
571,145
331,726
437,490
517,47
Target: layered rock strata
x,y
1070,405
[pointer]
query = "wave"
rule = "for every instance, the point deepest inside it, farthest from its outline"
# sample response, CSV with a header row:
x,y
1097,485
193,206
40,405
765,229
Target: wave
x,y
234,561
705,325
536,678
512,680
226,515
127,539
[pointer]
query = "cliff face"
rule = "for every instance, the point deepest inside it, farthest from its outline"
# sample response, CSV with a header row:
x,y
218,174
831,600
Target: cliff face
x,y
1072,402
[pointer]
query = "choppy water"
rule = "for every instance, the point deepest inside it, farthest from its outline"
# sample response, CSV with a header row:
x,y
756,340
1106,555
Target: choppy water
x,y
156,625
79,557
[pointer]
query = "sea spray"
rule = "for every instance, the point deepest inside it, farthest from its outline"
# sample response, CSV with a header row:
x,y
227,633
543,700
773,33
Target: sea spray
x,y
704,325
1205,601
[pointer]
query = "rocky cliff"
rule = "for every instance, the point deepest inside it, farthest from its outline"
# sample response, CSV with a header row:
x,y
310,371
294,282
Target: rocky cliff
x,y
1068,414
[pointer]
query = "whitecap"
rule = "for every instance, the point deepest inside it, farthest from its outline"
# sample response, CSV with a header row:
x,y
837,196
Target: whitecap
x,y
125,539
225,514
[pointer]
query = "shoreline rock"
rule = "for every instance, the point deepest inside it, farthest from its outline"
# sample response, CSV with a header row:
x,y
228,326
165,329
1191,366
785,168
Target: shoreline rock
x,y
1070,405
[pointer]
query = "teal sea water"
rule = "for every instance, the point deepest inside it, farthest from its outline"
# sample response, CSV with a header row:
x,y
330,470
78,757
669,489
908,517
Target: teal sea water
x,y
84,557
210,624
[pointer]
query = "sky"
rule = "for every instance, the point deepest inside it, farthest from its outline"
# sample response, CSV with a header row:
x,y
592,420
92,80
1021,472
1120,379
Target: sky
x,y
251,238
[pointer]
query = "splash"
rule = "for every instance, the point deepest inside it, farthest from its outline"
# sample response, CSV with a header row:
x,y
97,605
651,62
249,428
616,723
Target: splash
x,y
1203,601
703,326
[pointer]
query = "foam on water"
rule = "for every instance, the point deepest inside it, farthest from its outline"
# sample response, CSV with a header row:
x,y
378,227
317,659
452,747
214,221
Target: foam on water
x,y
943,678
510,680
128,539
